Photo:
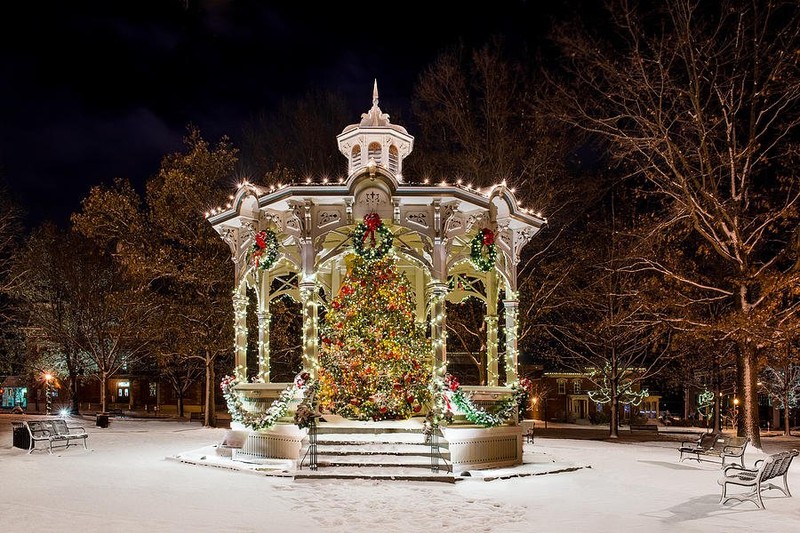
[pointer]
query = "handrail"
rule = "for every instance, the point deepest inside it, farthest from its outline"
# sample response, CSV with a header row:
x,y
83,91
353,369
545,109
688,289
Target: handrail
x,y
311,452
436,453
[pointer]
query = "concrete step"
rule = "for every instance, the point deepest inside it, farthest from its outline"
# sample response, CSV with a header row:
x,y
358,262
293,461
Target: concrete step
x,y
343,439
377,472
375,448
377,460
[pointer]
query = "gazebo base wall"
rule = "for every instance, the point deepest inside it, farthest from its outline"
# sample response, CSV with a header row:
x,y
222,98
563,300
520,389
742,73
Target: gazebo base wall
x,y
282,441
478,447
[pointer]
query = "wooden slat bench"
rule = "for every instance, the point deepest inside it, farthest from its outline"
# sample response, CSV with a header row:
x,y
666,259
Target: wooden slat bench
x,y
54,432
757,479
714,447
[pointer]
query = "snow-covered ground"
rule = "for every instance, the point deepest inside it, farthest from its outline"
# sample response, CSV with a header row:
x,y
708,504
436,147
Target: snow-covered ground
x,y
126,482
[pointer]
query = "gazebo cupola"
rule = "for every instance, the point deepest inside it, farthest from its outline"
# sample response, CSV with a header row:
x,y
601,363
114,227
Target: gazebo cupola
x,y
375,142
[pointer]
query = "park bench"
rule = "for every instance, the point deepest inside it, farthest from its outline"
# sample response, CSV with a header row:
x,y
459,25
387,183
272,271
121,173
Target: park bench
x,y
54,432
715,448
758,478
644,427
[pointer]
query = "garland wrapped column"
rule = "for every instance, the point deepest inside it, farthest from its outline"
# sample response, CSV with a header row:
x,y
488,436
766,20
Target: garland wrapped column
x,y
309,300
240,333
492,374
438,291
264,318
512,357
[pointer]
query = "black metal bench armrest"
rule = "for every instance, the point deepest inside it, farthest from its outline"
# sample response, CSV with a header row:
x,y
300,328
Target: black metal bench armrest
x,y
733,450
735,466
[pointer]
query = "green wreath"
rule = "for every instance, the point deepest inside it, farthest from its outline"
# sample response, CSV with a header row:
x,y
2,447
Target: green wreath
x,y
366,231
483,260
264,252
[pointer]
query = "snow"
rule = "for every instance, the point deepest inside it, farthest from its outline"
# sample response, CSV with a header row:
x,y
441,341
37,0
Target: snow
x,y
132,478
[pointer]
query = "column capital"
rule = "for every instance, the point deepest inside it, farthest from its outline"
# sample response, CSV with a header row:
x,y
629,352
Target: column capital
x,y
438,288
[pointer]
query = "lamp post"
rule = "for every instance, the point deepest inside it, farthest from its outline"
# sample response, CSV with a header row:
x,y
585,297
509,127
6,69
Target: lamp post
x,y
48,378
736,414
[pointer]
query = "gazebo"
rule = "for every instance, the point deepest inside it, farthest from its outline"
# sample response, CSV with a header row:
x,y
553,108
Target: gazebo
x,y
435,228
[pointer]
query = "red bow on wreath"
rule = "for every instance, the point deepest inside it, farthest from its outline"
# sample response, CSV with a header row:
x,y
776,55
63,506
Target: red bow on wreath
x,y
488,237
372,221
260,239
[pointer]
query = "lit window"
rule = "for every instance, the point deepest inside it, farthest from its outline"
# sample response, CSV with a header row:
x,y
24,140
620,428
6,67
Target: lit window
x,y
374,152
393,158
355,157
576,386
562,386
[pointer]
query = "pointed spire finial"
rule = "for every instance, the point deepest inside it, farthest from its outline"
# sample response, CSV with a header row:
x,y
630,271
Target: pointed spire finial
x,y
375,93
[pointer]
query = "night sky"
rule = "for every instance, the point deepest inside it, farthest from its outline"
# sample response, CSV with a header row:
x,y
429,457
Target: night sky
x,y
91,91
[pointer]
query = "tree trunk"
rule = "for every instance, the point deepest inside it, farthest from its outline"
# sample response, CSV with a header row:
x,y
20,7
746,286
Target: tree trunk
x,y
211,415
74,400
179,404
717,406
686,402
613,424
747,379
103,383
787,426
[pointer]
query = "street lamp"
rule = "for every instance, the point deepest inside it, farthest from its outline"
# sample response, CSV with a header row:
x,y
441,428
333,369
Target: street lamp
x,y
48,378
736,414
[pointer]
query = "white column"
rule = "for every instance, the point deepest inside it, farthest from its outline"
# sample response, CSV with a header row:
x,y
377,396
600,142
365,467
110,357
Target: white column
x,y
512,357
309,301
240,333
309,296
492,377
264,318
438,293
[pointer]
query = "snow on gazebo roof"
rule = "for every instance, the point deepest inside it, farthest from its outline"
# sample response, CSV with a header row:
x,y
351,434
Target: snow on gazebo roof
x,y
385,145
444,215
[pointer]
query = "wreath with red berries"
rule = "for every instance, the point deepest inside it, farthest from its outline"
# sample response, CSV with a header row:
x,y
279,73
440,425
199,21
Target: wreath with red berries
x,y
483,251
264,251
372,239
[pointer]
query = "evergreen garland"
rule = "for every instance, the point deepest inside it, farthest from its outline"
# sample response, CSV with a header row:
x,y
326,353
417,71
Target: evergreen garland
x,y
264,251
507,408
480,260
367,230
278,409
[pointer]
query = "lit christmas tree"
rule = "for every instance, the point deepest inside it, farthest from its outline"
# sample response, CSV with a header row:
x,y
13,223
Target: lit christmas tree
x,y
375,363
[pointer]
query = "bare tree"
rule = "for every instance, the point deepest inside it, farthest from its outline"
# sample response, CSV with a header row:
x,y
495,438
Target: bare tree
x,y
466,329
780,380
11,234
297,139
700,101
482,121
45,268
165,242
608,324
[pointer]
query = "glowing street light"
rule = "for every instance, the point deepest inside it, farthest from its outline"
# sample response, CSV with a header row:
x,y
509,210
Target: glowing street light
x,y
48,378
